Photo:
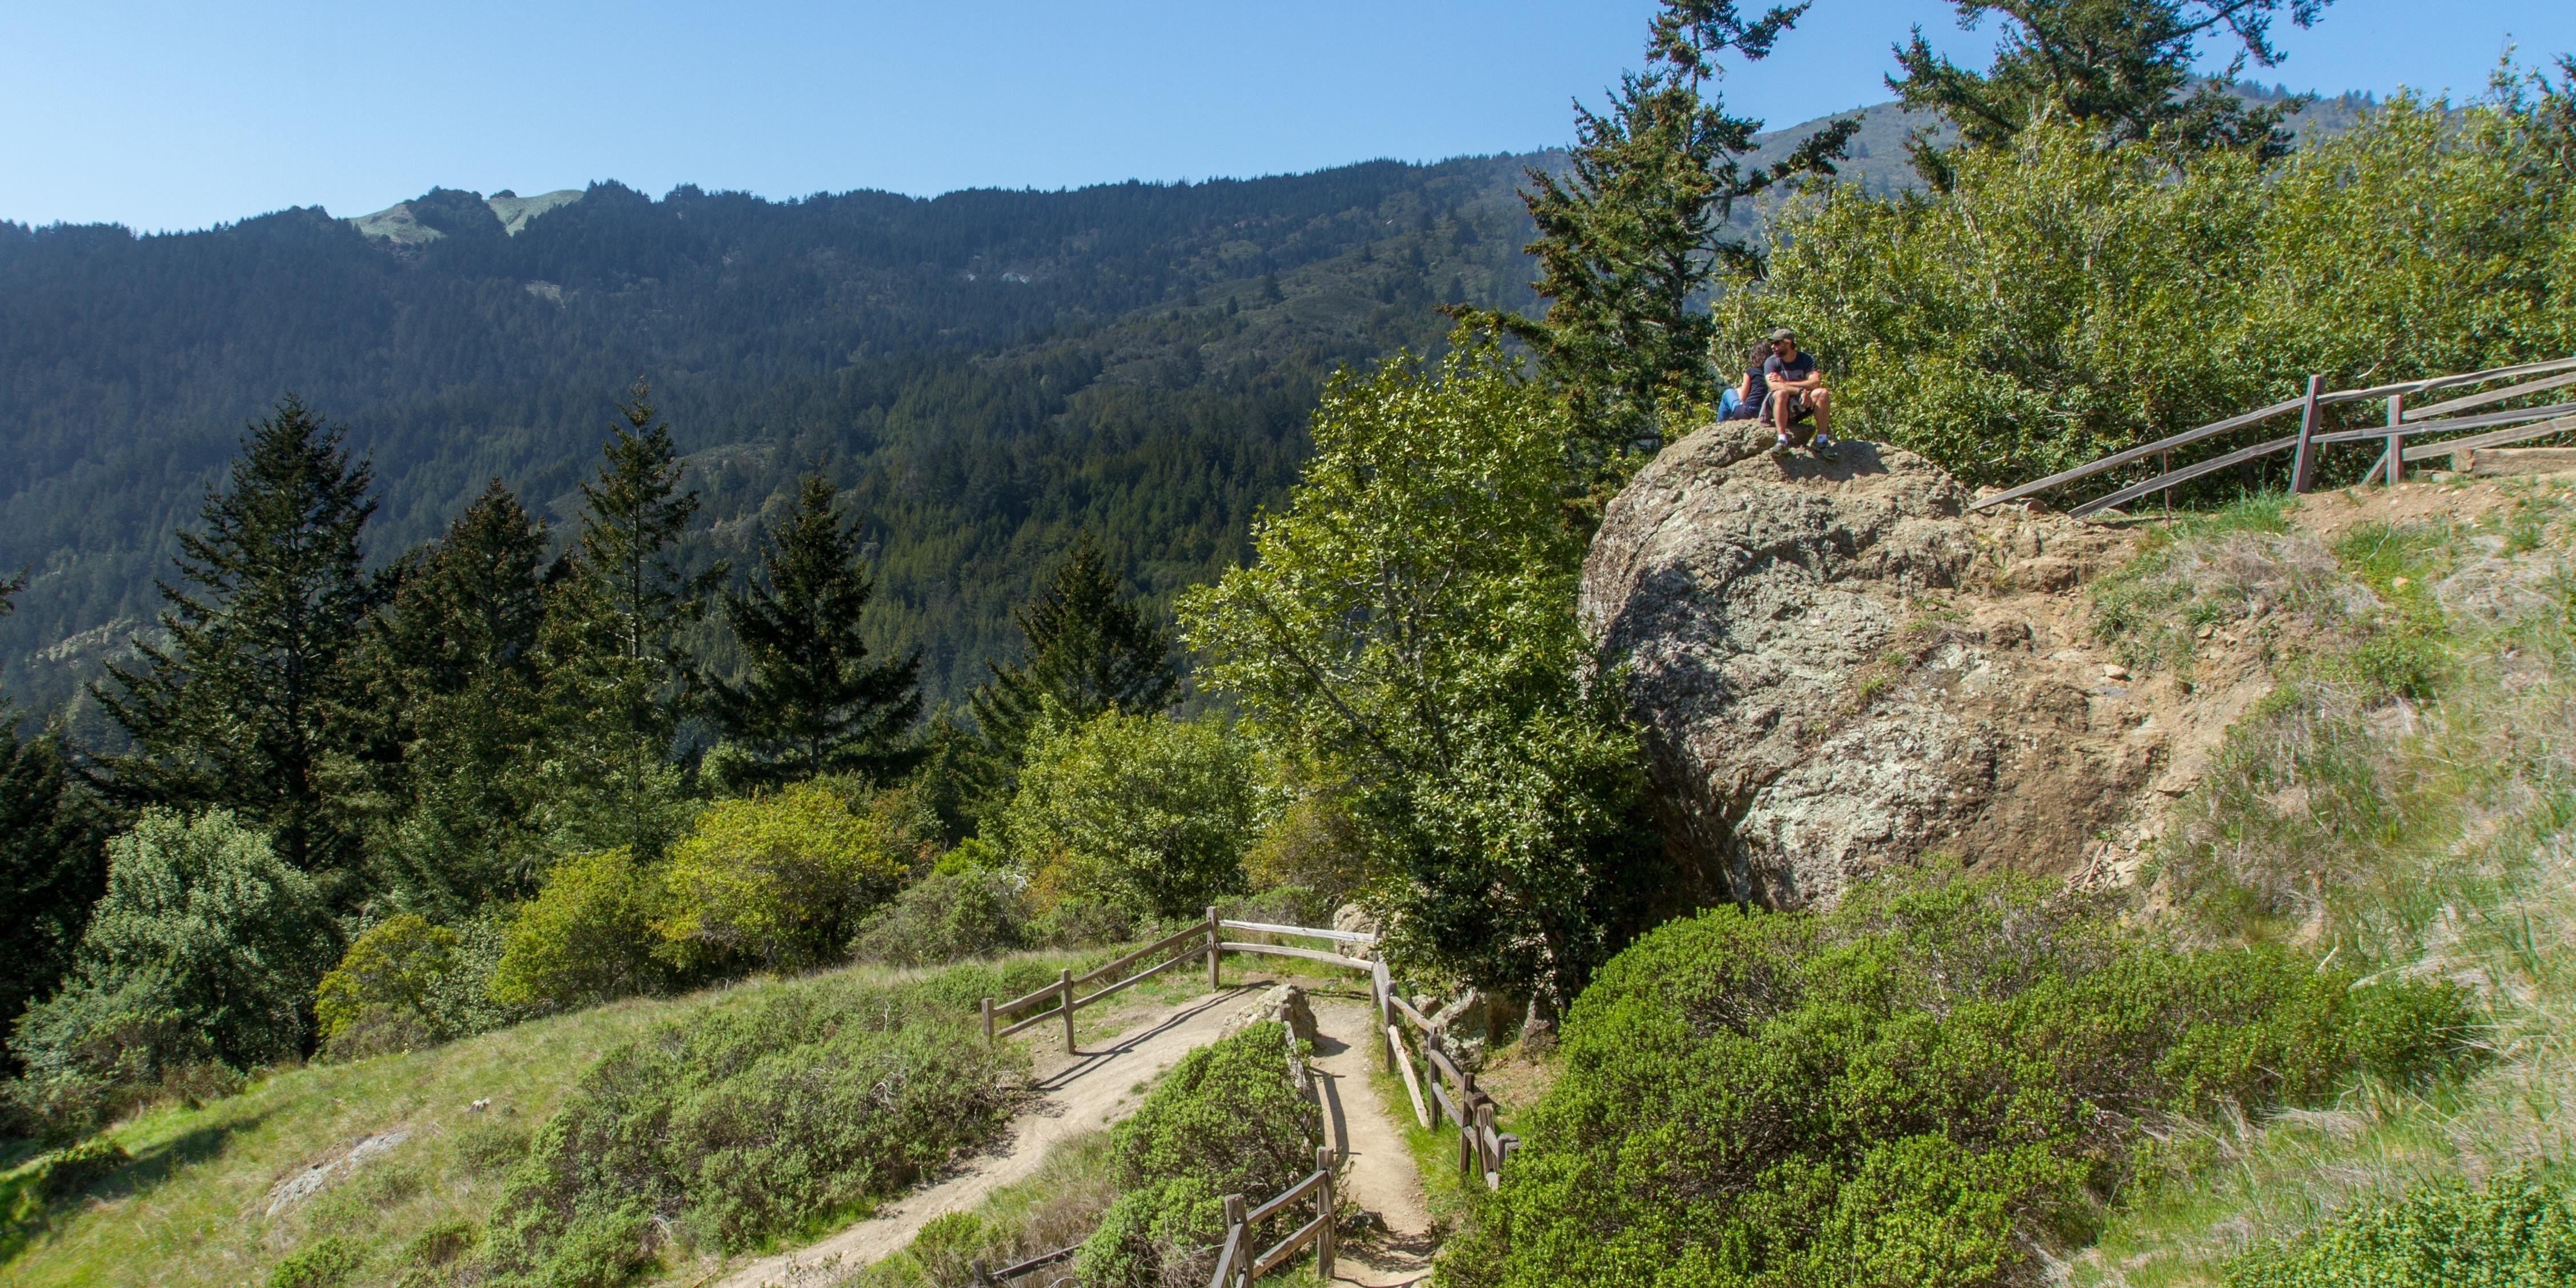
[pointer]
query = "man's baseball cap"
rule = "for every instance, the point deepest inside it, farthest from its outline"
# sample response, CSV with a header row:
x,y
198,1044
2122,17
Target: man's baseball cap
x,y
1783,333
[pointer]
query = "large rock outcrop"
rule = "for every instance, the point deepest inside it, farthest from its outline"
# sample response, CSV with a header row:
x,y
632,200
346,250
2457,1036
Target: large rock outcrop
x,y
1838,668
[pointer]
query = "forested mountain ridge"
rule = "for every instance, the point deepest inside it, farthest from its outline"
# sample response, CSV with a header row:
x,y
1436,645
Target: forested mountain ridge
x,y
989,370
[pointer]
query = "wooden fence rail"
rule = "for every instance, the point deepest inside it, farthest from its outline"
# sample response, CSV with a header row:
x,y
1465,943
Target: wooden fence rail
x,y
1205,941
2309,443
1452,1092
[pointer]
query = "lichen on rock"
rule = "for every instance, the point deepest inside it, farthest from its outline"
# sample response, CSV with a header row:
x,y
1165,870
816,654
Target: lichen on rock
x,y
1837,667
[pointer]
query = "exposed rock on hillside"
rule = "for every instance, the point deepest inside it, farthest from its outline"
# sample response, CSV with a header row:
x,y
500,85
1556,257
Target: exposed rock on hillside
x,y
1838,668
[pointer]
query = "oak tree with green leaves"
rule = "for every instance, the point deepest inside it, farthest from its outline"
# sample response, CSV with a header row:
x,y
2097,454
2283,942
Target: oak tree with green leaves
x,y
1407,628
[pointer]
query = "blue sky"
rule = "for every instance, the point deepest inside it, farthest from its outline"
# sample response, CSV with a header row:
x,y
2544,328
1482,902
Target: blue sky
x,y
169,115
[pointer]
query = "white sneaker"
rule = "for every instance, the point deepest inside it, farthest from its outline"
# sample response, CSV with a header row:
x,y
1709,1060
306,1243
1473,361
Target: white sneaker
x,y
1781,446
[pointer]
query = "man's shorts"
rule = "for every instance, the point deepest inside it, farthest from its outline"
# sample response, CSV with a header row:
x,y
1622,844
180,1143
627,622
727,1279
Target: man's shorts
x,y
1798,408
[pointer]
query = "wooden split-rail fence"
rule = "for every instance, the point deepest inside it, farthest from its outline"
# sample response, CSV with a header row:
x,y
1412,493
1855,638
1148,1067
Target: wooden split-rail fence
x,y
1452,1093
2406,419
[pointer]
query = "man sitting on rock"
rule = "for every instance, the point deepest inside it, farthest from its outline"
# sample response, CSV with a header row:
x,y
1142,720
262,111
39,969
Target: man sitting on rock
x,y
1796,392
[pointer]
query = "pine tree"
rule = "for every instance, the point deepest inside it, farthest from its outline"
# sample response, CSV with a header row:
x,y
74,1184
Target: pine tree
x,y
811,702
456,659
2119,66
1631,241
630,559
248,702
1090,650
51,866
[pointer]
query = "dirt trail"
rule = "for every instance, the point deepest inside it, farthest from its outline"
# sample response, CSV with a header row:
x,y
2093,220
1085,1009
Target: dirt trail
x,y
1381,1178
1093,1088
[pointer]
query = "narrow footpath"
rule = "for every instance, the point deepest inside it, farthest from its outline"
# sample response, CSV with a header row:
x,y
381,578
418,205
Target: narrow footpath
x,y
1091,1089
1100,1084
1381,1178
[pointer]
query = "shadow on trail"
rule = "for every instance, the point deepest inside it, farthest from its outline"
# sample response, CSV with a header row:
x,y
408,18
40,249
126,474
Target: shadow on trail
x,y
1084,1062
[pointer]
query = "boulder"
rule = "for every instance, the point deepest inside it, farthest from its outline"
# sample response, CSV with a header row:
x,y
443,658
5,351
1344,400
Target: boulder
x,y
1837,667
1284,1004
1354,919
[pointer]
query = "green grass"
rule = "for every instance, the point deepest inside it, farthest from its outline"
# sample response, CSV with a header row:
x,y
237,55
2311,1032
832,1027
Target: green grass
x,y
191,1206
2406,800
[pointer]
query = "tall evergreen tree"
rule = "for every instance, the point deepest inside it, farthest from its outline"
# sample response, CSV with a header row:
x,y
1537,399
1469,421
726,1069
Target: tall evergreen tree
x,y
1090,650
52,868
248,701
811,702
631,563
1633,237
2119,66
456,659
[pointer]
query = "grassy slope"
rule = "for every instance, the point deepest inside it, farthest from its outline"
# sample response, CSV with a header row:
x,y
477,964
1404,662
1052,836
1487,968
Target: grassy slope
x,y
2419,835
191,1210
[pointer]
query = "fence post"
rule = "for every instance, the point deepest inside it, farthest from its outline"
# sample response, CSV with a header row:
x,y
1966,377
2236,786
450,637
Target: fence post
x,y
1324,1249
1234,1221
1466,1148
2395,471
1213,935
988,1021
1380,984
2303,465
1064,996
1484,1128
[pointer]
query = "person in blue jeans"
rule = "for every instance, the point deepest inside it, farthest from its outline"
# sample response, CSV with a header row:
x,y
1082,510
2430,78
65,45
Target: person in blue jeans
x,y
1743,399
1797,392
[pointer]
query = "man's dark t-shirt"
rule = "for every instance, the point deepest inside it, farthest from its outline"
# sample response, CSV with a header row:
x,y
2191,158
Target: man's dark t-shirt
x,y
1797,368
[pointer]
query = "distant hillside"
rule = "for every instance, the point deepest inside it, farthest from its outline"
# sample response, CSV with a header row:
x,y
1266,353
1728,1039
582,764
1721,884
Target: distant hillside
x,y
986,372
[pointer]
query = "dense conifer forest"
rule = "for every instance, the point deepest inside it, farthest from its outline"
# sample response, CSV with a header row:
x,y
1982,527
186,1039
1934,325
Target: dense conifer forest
x,y
987,372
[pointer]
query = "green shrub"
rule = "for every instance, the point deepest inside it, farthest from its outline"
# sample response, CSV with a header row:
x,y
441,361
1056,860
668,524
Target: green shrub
x,y
1917,1088
59,1107
1225,1120
779,879
205,947
945,917
798,1103
405,985
1137,809
586,938
1077,922
327,1264
2517,1232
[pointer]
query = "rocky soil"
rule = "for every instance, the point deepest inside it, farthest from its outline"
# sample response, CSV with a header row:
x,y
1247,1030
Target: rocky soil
x,y
1838,667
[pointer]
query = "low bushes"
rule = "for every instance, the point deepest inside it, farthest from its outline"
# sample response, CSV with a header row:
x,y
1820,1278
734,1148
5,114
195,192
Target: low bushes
x,y
406,985
586,938
1225,1120
2517,1232
946,917
804,1102
779,880
1917,1088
